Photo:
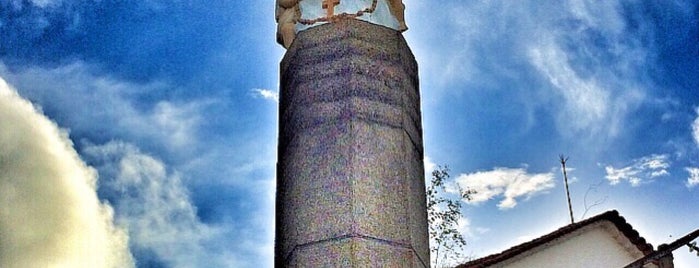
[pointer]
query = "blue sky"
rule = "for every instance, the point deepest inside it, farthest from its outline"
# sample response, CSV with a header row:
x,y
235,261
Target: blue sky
x,y
171,106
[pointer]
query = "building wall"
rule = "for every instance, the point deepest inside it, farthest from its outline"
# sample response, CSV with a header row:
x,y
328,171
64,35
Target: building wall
x,y
597,245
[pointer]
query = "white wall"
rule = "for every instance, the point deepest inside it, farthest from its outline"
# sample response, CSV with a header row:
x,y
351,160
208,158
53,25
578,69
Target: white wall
x,y
596,245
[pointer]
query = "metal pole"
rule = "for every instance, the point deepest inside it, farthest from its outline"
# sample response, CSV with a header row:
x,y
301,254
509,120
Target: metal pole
x,y
565,177
664,250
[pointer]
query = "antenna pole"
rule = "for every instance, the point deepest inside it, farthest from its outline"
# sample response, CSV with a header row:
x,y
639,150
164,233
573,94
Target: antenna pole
x,y
565,177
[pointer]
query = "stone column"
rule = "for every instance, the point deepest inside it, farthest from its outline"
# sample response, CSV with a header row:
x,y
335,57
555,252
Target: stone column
x,y
350,173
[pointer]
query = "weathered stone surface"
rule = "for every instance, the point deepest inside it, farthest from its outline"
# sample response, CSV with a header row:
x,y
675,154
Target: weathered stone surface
x,y
350,185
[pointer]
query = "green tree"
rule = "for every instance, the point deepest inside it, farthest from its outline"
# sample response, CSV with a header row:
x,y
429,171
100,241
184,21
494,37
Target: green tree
x,y
443,214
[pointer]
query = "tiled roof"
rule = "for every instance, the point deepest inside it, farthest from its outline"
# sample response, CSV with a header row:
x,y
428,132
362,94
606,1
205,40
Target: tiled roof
x,y
611,216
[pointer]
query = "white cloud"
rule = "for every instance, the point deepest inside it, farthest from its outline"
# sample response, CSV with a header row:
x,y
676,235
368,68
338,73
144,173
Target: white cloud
x,y
50,215
429,167
463,225
693,179
46,3
266,94
598,15
642,170
17,5
591,103
156,207
695,129
572,57
585,99
510,183
98,107
104,104
180,121
469,231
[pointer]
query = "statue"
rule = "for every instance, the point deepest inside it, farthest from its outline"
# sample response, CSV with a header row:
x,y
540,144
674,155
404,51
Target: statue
x,y
288,14
398,10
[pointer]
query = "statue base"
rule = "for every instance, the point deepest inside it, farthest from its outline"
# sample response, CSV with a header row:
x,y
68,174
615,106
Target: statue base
x,y
350,172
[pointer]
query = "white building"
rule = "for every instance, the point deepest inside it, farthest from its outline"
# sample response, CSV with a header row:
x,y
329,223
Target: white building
x,y
605,240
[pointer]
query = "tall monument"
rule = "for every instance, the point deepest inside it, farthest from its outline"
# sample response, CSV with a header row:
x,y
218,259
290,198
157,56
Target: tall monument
x,y
350,173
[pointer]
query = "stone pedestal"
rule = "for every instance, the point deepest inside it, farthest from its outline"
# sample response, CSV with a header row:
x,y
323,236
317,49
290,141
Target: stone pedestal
x,y
350,173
